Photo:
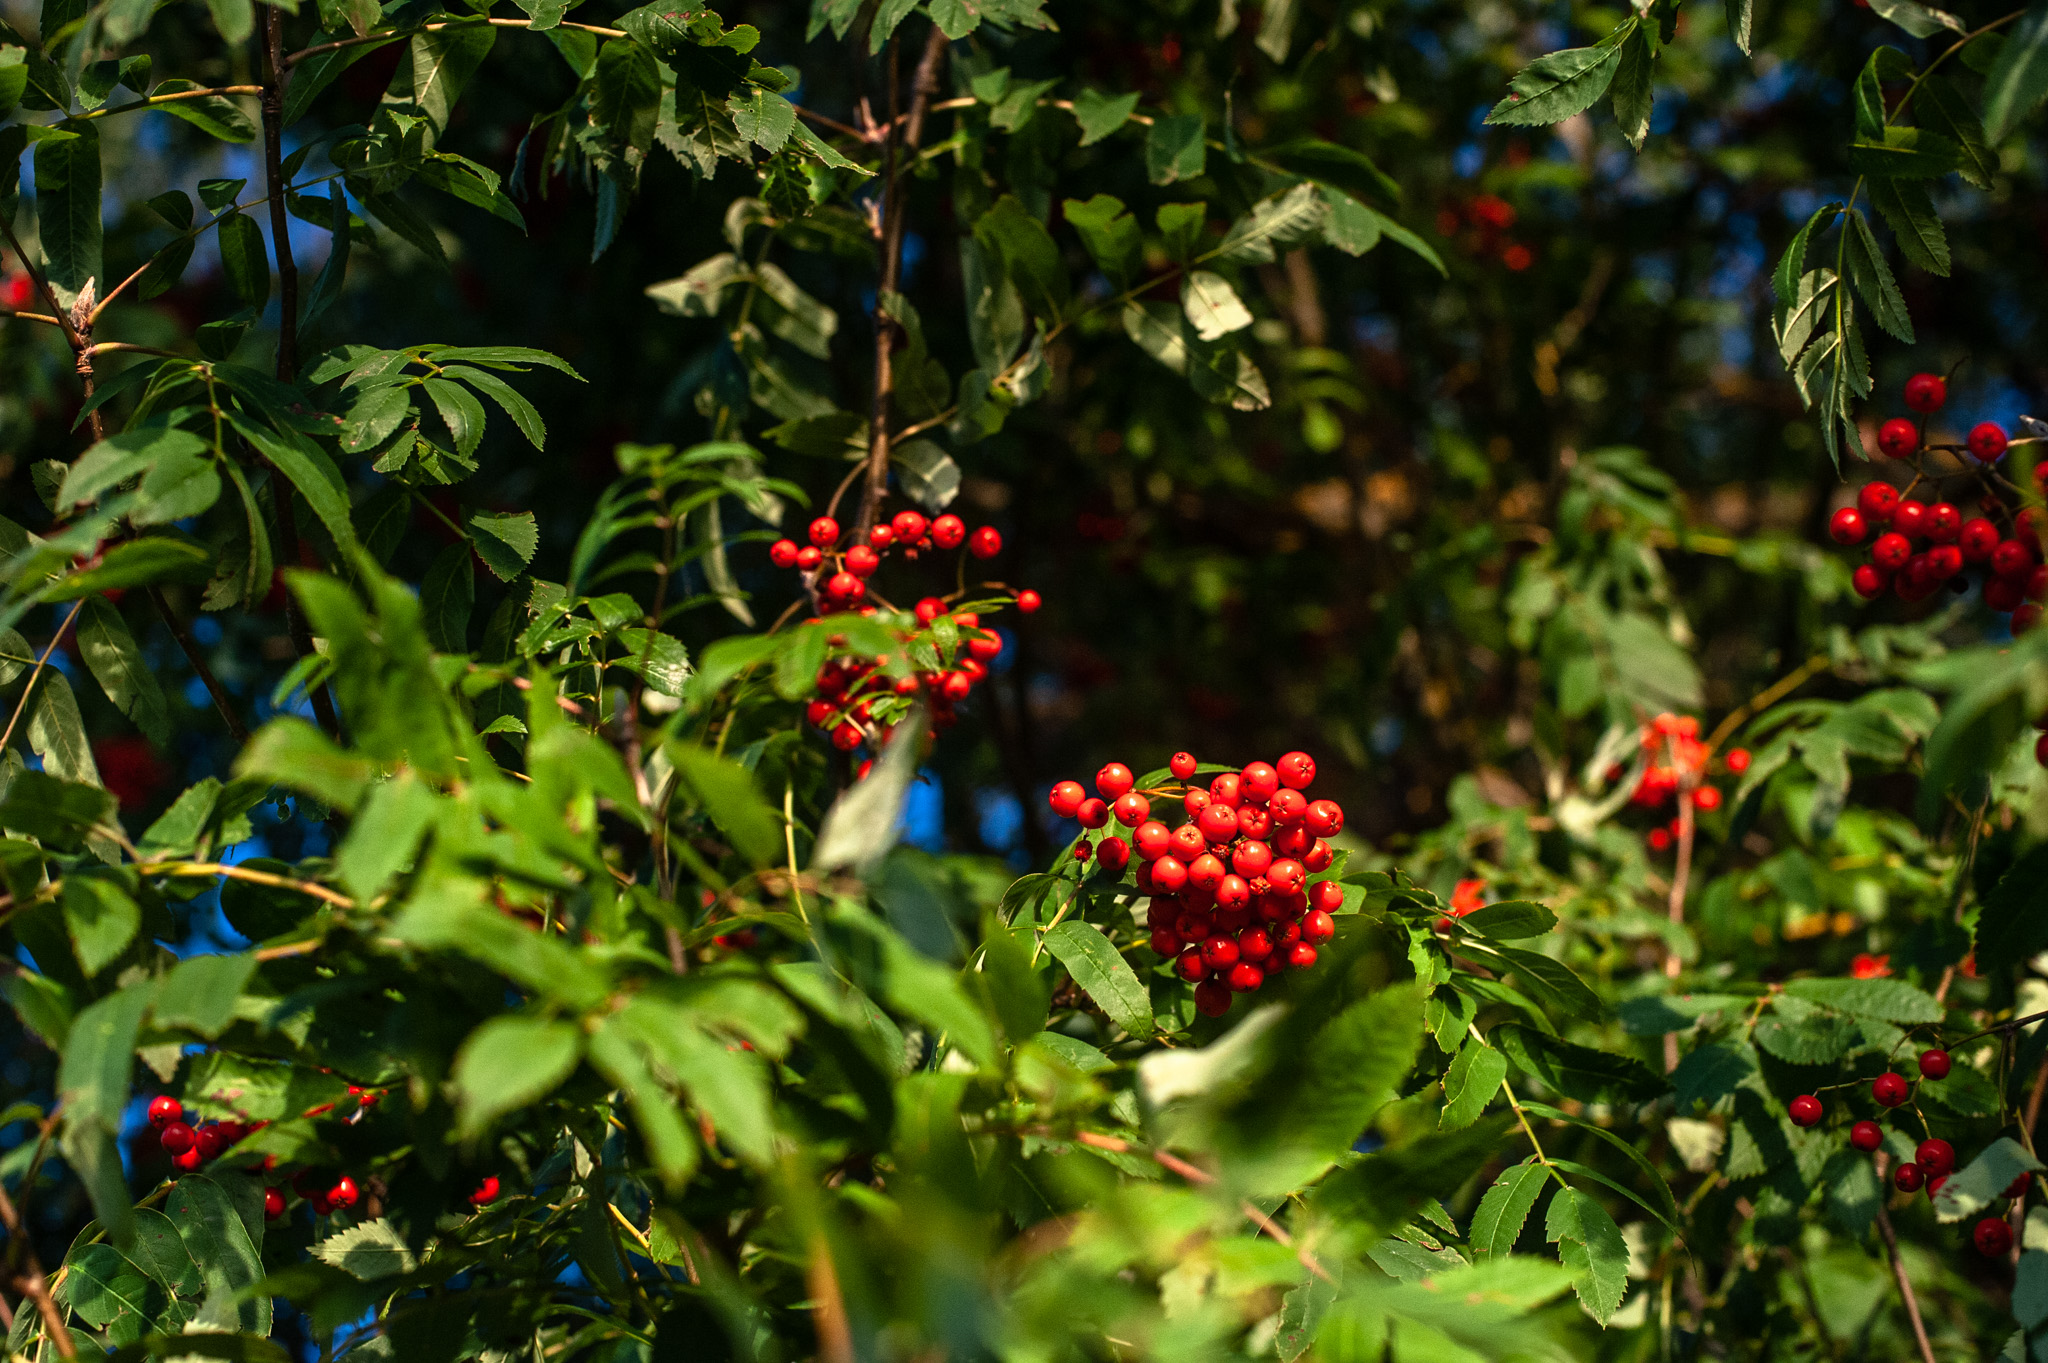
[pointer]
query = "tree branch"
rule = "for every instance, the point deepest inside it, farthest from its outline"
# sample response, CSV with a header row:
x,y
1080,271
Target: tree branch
x,y
1891,1249
30,1280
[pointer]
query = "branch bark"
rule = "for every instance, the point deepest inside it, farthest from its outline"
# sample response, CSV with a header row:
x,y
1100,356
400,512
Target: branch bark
x,y
905,131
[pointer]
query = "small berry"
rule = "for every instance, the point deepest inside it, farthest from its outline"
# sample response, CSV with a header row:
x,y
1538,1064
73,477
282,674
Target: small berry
x,y
1926,392
1707,797
1029,601
2012,559
2041,750
188,1160
1218,823
1152,840
809,557
1944,561
1908,1177
1978,539
881,537
1944,523
1318,926
1910,518
2025,617
1325,818
2004,593
1888,1089
1659,839
1288,809
1251,859
1297,770
1805,1110
847,736
824,532
1866,1136
985,542
1848,526
1113,780
783,553
1131,809
948,531
1182,765
1286,875
1326,895
1260,782
1869,580
1934,1182
177,1138
163,1110
1738,760
1898,438
862,561
1891,550
1245,977
1992,1237
908,526
1092,813
846,587
273,1203
929,609
1936,1156
1212,998
1113,853
1300,956
1066,798
1935,1064
1987,440
2017,1188
1227,789
1877,501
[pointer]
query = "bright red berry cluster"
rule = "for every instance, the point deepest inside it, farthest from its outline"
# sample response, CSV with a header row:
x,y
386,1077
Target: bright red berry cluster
x,y
1676,770
1934,1159
1918,546
1233,899
838,576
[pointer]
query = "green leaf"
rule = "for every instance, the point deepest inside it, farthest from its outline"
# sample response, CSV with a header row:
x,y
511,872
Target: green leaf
x,y
1175,149
369,1251
244,260
68,211
926,474
54,811
1212,306
1740,14
1470,1084
762,118
1577,1071
861,825
1590,1245
505,540
1916,152
1631,88
1510,920
509,1063
212,114
1007,233
220,1244
160,1252
306,466
1333,166
1890,1000
385,833
668,1140
1554,87
1553,981
1816,1040
1352,1069
731,798
1102,974
201,992
1098,114
1984,1179
165,268
2012,924
441,65
1922,21
2018,80
1505,1208
56,731
1274,224
100,918
1111,235
298,756
1865,263
108,1292
1940,105
625,100
460,412
523,413
115,661
1909,212
888,15
236,19
447,595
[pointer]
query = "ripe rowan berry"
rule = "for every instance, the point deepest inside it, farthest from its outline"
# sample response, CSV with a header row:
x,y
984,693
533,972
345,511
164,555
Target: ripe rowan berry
x,y
881,536
2025,616
1066,797
908,526
847,736
1113,853
1227,789
177,1138
1659,839
1326,895
1206,871
1245,977
783,553
824,532
1978,539
1944,523
1944,561
1926,392
1113,780
1251,859
1987,440
343,1193
1318,857
929,609
2041,750
1260,782
948,530
1935,1064
273,1203
1029,601
1992,1237
1152,840
1707,797
1168,873
2012,559
1218,823
188,1160
1324,818
1195,801
486,1192
1131,809
1182,765
1898,438
1866,1136
1297,770
163,1110
1287,808
1910,518
2017,1188
1934,1182
1254,822
2004,593
1869,581
862,561
1935,1155
985,542
845,586
1212,999
1300,956
1293,841
1317,926
1219,952
1737,760
1848,526
1188,842
809,557
1286,876
1092,813
1888,1089
1233,892
1908,1177
1254,945
1877,501
1891,550
1805,1110
208,1140
1191,966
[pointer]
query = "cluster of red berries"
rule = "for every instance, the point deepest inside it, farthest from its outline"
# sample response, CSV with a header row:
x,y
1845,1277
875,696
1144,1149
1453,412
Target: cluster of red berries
x,y
1489,217
1232,903
1676,769
1917,547
855,694
1933,1159
840,576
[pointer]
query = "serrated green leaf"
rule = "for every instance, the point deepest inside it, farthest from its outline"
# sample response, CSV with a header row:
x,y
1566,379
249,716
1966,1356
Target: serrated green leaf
x,y
1102,974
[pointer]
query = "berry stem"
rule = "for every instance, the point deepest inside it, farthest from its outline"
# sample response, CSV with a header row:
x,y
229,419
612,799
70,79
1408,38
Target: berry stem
x,y
1891,1249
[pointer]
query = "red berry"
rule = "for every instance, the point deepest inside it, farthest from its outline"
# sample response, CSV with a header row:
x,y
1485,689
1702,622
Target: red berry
x,y
985,543
1219,952
1987,440
1245,977
1029,601
1227,789
1944,561
862,561
1317,926
1131,809
1891,551
1113,780
1738,760
2012,559
1300,956
1286,875
1707,797
1326,895
1888,1089
908,526
846,587
2025,617
1217,823
1877,501
1182,765
1908,1177
1255,822
1805,1110
1659,839
846,737
1934,1064
163,1110
210,1142
948,530
1092,813
1192,964
1934,1182
930,609
1848,526
1152,840
1254,945
1206,871
881,536
1066,798
2004,593
1319,856
1910,518
1898,438
809,557
1251,859
1926,392
486,1192
1978,539
1260,782
1936,1156
177,1138
2017,1188
1944,523
1233,892
273,1203
188,1160
783,553
1113,853
1866,1135
1325,818
1869,581
1297,770
1212,998
1992,1237
824,532
1288,809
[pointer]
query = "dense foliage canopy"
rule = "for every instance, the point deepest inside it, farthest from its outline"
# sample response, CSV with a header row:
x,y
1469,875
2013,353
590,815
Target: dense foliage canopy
x,y
564,571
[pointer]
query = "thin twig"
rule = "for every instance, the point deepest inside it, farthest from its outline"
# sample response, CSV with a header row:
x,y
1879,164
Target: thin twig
x,y
1891,1249
1962,888
1766,698
31,1282
212,684
153,101
828,1306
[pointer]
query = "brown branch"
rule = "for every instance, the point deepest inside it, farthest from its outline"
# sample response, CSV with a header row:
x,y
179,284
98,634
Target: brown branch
x,y
1891,1249
923,86
151,101
828,1307
225,706
1766,698
30,1281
